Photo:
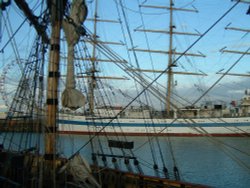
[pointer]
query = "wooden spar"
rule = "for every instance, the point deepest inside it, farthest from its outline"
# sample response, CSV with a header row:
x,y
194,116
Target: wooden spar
x,y
52,93
245,1
235,52
101,20
171,8
174,72
238,29
167,32
105,77
101,60
105,42
168,52
234,74
97,59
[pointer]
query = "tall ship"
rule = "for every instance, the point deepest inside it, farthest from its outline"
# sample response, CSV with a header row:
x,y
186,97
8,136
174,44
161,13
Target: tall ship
x,y
162,90
63,74
157,62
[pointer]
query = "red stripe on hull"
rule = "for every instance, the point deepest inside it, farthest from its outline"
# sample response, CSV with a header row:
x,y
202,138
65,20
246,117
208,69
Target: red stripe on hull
x,y
154,134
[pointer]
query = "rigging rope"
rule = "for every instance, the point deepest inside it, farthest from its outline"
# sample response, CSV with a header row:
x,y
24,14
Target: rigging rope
x,y
145,94
104,102
149,85
21,107
222,76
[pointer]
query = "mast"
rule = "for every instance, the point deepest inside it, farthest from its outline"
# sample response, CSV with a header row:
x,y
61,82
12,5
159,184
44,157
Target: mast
x,y
57,8
171,52
91,75
170,73
93,69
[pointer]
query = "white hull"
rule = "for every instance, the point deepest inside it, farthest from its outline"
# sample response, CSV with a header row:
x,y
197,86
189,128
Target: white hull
x,y
174,127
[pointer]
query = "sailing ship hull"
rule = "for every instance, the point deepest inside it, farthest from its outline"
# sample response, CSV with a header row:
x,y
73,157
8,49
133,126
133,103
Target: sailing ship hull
x,y
160,127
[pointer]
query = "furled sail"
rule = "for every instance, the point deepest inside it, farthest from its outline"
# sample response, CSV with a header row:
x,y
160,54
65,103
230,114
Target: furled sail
x,y
71,97
80,171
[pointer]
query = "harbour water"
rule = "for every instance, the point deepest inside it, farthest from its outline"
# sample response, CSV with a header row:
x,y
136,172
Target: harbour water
x,y
218,162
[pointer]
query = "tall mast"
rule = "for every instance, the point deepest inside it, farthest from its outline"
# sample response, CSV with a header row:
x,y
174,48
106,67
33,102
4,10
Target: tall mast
x,y
170,51
93,60
170,73
57,7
